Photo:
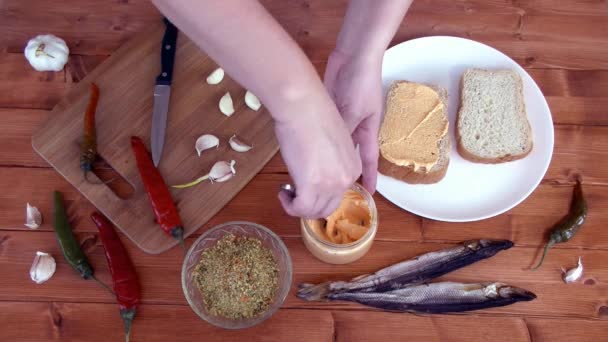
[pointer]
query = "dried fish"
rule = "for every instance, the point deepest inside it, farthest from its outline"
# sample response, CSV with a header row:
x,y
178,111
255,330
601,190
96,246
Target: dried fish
x,y
574,274
440,297
418,270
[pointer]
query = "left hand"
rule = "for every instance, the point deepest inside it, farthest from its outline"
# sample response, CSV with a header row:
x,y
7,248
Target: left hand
x,y
355,84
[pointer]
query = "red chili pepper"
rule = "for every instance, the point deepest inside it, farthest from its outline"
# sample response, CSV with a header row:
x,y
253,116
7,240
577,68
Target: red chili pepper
x,y
124,278
158,193
88,148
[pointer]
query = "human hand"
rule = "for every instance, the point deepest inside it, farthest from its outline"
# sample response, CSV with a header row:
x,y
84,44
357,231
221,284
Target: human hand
x,y
355,84
320,156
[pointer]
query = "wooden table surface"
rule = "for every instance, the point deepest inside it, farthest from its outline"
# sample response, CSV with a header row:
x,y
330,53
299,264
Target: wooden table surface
x,y
562,44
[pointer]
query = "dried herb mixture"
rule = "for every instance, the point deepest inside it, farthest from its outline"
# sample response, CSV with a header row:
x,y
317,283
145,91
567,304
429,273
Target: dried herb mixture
x,y
238,277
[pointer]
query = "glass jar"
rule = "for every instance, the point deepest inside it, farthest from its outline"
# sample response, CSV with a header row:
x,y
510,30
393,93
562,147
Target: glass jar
x,y
333,253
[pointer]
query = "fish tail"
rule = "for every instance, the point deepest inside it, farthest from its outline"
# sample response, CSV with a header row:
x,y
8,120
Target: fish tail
x,y
311,292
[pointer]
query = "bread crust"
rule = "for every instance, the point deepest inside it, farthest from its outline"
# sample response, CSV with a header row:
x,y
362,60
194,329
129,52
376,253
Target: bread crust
x,y
464,153
422,176
407,173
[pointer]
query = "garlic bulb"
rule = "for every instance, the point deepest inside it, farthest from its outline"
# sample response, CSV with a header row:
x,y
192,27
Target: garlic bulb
x,y
33,218
226,105
47,53
205,142
238,145
252,101
42,268
216,76
574,274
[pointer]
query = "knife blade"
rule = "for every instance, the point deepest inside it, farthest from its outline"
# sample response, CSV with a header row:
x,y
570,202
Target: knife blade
x,y
162,91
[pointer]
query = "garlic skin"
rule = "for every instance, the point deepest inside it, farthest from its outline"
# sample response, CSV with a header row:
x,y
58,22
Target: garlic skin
x,y
33,218
42,268
252,101
222,171
226,105
574,274
47,53
216,76
205,142
237,145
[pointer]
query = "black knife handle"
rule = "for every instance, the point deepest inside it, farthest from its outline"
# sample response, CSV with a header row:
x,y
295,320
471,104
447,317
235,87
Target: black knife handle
x,y
167,54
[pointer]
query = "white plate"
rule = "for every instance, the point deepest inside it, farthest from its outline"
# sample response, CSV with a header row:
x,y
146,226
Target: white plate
x,y
469,191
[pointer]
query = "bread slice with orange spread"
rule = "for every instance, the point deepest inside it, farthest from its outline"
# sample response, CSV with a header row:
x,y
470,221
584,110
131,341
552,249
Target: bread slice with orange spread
x,y
414,141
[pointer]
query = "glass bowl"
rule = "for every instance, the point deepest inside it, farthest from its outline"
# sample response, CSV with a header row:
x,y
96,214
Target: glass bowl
x,y
208,239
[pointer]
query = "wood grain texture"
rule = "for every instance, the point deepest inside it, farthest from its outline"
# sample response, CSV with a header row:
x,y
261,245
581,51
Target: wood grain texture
x,y
585,299
86,322
126,83
562,44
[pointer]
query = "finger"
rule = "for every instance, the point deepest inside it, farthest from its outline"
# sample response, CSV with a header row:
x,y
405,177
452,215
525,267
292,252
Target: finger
x,y
332,204
286,200
367,138
304,204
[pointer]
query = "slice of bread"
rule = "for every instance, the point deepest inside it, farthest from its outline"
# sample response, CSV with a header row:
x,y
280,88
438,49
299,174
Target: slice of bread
x,y
492,124
408,173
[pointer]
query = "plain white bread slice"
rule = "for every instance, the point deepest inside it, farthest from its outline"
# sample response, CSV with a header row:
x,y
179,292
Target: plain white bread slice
x,y
492,122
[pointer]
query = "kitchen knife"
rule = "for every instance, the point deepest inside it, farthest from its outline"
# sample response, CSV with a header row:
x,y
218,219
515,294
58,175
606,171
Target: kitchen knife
x,y
162,91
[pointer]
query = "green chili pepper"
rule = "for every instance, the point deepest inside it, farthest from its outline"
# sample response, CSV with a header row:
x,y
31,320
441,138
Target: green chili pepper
x,y
70,247
567,227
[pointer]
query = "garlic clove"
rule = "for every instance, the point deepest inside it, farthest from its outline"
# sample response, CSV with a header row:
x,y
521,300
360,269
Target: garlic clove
x,y
252,101
238,145
42,268
33,218
226,105
574,274
205,142
216,76
222,171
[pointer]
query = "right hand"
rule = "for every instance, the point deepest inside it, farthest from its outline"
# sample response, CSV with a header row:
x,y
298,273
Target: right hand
x,y
320,156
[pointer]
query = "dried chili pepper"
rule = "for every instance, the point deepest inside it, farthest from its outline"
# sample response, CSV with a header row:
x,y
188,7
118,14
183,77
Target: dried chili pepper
x,y
124,278
567,227
158,193
88,148
70,248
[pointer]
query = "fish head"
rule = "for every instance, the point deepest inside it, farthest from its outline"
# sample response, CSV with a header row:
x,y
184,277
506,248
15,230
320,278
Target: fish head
x,y
488,248
512,292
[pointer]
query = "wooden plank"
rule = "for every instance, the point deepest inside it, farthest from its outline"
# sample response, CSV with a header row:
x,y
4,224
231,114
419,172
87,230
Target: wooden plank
x,y
572,7
16,129
379,326
376,326
257,202
556,299
591,84
578,110
84,322
523,31
547,330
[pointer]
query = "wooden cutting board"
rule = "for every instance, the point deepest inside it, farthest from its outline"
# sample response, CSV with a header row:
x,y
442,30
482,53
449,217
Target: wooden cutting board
x,y
126,82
